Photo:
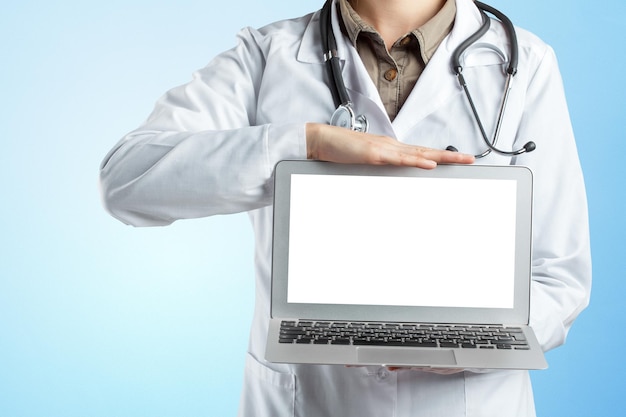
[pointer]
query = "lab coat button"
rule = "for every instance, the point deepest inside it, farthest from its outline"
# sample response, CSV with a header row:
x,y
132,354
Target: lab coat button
x,y
391,74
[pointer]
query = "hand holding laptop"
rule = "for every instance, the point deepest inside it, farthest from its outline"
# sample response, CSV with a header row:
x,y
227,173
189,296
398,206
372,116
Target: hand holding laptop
x,y
337,144
438,371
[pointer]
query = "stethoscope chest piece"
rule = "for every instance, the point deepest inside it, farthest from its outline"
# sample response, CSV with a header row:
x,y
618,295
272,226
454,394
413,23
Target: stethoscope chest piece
x,y
344,117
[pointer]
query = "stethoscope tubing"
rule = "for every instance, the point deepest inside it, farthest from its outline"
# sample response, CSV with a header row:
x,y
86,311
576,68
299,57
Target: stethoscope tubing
x,y
342,99
331,57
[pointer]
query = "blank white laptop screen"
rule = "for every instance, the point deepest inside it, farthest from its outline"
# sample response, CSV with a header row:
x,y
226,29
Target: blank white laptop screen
x,y
401,241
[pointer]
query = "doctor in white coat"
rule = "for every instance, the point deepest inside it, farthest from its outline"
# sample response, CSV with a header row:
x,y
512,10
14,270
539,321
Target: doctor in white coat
x,y
210,147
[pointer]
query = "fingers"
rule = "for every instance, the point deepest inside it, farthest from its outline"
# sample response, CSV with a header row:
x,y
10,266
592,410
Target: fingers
x,y
427,158
334,144
439,371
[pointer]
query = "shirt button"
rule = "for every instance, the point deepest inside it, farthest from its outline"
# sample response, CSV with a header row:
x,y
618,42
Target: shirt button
x,y
391,74
405,41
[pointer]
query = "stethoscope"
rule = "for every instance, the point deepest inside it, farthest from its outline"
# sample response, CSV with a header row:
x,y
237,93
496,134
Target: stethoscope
x,y
345,116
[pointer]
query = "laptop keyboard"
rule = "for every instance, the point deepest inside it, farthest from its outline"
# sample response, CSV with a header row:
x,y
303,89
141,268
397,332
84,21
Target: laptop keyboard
x,y
402,334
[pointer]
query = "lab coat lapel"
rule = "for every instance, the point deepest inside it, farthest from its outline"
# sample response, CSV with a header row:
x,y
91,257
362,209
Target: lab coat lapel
x,y
310,50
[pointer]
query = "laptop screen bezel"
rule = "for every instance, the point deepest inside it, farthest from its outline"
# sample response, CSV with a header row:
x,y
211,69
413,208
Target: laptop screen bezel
x,y
280,307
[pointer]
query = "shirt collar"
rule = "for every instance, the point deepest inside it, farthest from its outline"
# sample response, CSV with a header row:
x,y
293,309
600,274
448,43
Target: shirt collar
x,y
429,35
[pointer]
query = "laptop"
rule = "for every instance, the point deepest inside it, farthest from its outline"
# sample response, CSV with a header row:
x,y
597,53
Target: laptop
x,y
399,266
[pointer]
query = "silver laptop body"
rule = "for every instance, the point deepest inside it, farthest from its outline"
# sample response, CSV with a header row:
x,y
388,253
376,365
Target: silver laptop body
x,y
397,266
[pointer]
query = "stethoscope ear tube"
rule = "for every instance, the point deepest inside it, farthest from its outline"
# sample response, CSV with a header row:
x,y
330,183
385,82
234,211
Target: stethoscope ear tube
x,y
510,33
456,55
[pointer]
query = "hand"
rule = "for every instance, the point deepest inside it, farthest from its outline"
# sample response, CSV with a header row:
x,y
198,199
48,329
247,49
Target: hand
x,y
439,371
337,144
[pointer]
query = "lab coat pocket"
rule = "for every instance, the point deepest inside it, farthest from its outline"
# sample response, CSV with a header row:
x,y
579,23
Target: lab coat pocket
x,y
266,392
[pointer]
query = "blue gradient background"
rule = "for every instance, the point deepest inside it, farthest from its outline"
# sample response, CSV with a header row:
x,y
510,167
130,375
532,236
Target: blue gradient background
x,y
100,319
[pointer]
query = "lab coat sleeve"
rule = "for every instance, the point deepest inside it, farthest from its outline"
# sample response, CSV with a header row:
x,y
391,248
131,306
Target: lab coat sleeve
x,y
200,152
561,269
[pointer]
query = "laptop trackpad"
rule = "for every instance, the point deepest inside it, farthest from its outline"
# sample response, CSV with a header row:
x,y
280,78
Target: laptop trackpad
x,y
407,357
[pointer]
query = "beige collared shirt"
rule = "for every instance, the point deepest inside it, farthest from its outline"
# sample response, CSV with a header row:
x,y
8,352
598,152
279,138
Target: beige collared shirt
x,y
396,71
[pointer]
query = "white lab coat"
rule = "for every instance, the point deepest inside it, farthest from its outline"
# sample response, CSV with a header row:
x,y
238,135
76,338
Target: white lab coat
x,y
210,147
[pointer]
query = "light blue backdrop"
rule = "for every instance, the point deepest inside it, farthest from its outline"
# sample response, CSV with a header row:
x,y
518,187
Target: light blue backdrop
x,y
100,319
